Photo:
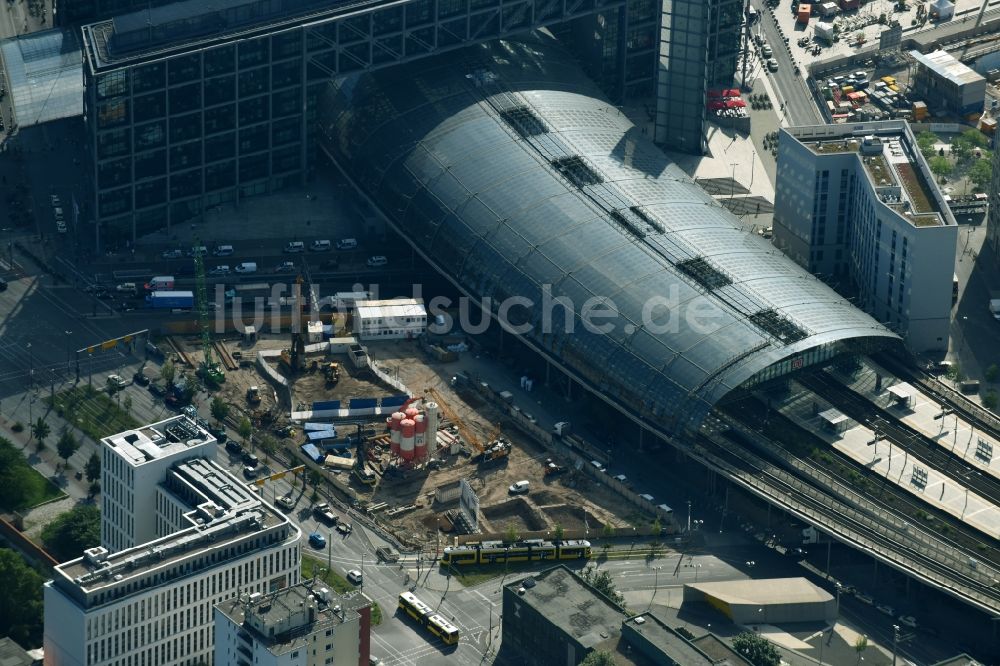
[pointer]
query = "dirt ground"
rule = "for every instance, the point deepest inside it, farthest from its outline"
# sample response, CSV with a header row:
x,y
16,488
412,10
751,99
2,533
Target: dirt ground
x,y
570,500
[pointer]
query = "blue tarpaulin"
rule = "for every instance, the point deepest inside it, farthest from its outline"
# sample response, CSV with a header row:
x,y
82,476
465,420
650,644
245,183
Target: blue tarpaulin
x,y
325,405
311,427
362,403
394,400
321,435
313,453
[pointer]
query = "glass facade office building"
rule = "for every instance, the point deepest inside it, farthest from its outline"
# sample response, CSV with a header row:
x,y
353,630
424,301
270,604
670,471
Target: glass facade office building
x,y
189,106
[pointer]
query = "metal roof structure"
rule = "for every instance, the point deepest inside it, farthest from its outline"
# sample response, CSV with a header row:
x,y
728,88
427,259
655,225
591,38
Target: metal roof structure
x,y
947,67
45,70
506,168
398,309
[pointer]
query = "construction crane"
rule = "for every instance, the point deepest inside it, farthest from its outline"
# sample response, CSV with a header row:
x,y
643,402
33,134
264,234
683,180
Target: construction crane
x,y
209,370
497,448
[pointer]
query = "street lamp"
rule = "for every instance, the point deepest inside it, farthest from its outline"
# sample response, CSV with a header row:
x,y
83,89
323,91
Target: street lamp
x,y
68,333
895,642
31,367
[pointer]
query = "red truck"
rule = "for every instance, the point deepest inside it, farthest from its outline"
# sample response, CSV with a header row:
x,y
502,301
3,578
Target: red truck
x,y
805,11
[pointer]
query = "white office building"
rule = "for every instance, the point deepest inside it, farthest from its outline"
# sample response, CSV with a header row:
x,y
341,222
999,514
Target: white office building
x,y
303,625
152,605
857,205
134,463
385,320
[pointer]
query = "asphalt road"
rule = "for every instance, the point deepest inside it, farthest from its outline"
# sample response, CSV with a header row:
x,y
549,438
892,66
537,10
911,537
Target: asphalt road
x,y
791,89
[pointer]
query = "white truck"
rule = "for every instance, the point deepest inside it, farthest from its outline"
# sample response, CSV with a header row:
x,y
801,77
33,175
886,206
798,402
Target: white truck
x,y
995,308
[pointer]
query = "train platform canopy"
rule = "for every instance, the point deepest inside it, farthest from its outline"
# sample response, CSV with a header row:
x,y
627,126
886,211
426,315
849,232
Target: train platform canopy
x,y
834,420
902,393
765,601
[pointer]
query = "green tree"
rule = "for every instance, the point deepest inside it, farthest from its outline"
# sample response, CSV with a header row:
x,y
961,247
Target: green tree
x,y
220,409
926,141
244,430
558,532
67,446
860,645
992,373
93,468
940,166
168,372
981,173
315,477
511,535
756,649
974,138
990,399
127,403
21,611
269,445
608,532
14,477
94,488
40,430
603,583
598,658
73,532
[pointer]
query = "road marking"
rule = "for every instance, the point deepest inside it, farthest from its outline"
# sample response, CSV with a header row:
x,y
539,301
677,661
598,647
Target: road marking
x,y
484,598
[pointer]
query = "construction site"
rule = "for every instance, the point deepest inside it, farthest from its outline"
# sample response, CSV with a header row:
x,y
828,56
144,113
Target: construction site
x,y
370,430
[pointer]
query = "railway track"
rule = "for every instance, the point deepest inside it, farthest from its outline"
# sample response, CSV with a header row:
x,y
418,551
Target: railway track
x,y
879,530
903,436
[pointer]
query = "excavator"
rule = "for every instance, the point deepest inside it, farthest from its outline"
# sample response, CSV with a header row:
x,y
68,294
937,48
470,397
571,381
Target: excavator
x,y
497,448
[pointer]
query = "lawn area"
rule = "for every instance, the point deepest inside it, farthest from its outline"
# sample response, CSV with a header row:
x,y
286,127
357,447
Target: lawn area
x,y
21,487
314,568
92,411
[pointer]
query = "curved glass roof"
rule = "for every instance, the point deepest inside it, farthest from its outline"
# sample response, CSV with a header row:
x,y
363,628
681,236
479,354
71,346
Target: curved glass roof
x,y
506,167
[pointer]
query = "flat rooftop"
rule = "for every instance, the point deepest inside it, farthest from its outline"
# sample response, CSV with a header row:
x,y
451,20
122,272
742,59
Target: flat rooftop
x,y
668,641
158,440
764,591
948,67
223,510
282,620
390,309
892,162
572,605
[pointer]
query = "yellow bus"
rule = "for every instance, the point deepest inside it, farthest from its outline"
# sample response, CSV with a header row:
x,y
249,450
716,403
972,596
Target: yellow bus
x,y
443,629
413,606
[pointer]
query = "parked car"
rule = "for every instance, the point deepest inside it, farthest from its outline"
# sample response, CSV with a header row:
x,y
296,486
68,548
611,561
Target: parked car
x,y
344,528
250,472
772,65
317,540
233,446
251,459
908,620
376,261
140,378
885,609
354,577
518,488
864,598
171,254
285,267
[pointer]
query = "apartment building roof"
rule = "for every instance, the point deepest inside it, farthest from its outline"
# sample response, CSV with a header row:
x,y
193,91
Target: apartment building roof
x,y
224,511
158,440
282,620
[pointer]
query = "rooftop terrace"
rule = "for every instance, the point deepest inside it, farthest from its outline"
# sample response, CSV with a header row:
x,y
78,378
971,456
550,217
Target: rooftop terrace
x,y
888,159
